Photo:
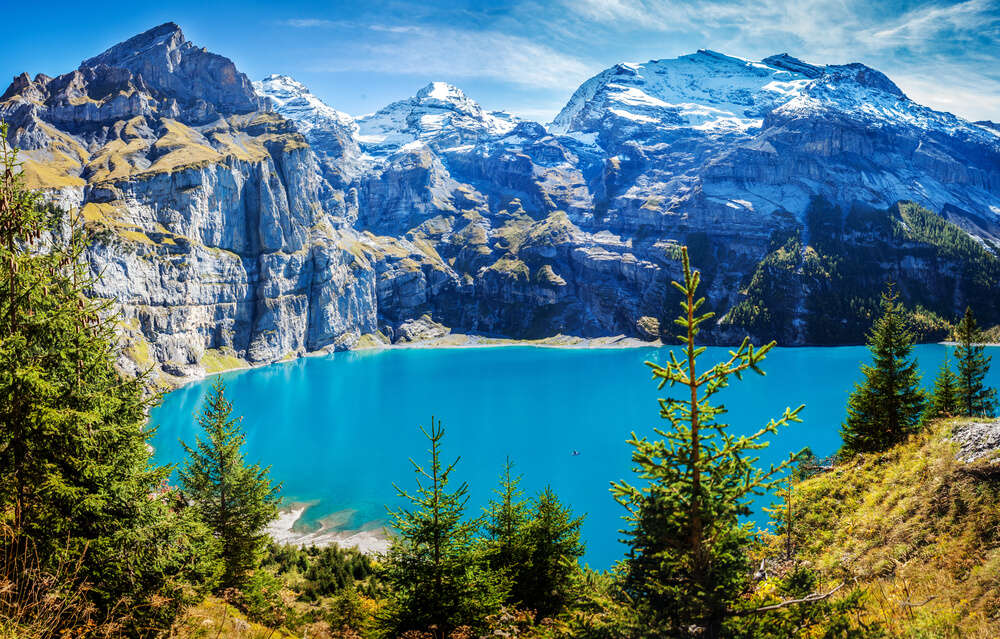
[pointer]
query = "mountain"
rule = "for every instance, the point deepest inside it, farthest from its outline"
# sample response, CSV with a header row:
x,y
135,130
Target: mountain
x,y
332,135
250,222
440,115
706,131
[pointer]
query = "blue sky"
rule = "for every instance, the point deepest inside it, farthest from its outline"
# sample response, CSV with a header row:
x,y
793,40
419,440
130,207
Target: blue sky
x,y
527,56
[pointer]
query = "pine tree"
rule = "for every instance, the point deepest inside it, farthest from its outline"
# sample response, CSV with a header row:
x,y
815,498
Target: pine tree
x,y
552,536
944,401
437,580
886,407
686,568
975,398
507,515
234,499
77,485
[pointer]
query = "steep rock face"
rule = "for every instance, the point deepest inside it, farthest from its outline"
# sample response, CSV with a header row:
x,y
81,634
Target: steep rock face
x,y
220,234
255,220
331,134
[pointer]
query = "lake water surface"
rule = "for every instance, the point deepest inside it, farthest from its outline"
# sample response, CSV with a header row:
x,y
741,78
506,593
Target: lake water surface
x,y
339,430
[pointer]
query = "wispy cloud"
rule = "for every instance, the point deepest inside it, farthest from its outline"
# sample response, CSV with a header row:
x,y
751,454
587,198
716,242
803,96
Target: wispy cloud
x,y
434,52
394,28
308,23
923,26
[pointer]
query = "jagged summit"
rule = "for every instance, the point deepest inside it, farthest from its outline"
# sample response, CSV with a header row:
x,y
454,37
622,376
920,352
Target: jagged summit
x,y
293,99
439,114
442,91
174,68
785,61
165,38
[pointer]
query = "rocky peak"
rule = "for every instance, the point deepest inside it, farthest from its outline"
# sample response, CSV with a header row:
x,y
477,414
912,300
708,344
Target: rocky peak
x,y
293,99
447,96
17,86
439,112
785,61
159,43
172,66
863,76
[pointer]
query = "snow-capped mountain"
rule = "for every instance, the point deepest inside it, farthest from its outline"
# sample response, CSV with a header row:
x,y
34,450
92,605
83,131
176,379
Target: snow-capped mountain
x,y
718,93
257,219
293,100
706,90
440,115
772,135
331,133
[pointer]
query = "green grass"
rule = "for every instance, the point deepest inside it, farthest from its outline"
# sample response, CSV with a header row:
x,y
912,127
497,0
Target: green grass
x,y
511,266
216,360
138,352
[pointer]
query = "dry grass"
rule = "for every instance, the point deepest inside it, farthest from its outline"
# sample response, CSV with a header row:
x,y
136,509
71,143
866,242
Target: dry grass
x,y
216,619
181,147
116,160
45,604
921,533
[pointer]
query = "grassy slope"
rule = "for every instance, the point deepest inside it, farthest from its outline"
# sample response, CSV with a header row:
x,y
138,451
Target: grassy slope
x,y
917,527
215,619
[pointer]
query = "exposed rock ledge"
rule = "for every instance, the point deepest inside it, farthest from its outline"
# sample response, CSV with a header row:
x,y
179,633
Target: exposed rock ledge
x,y
977,439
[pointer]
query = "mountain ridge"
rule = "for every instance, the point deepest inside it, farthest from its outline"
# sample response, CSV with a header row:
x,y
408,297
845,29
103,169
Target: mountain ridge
x,y
256,221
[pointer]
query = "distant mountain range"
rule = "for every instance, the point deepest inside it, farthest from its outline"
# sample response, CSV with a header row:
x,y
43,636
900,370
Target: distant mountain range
x,y
249,221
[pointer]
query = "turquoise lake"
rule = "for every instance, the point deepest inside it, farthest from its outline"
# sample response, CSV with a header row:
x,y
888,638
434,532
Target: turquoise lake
x,y
339,430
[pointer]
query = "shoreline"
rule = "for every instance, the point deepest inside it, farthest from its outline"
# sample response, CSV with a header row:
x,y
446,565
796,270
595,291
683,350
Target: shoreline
x,y
449,341
472,341
370,538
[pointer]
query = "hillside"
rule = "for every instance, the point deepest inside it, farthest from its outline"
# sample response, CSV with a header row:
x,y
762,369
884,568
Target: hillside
x,y
918,525
250,222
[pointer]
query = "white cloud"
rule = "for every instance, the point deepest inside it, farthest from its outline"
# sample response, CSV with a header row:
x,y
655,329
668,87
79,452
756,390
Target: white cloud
x,y
974,98
440,52
922,26
394,28
308,23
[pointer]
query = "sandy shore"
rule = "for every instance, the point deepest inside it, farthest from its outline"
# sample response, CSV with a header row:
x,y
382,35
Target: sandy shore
x,y
370,538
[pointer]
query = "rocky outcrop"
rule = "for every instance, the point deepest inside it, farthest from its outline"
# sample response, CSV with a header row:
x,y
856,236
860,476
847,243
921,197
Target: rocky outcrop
x,y
253,219
977,439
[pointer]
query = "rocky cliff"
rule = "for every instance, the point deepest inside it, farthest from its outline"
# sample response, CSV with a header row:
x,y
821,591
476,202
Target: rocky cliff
x,y
252,222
